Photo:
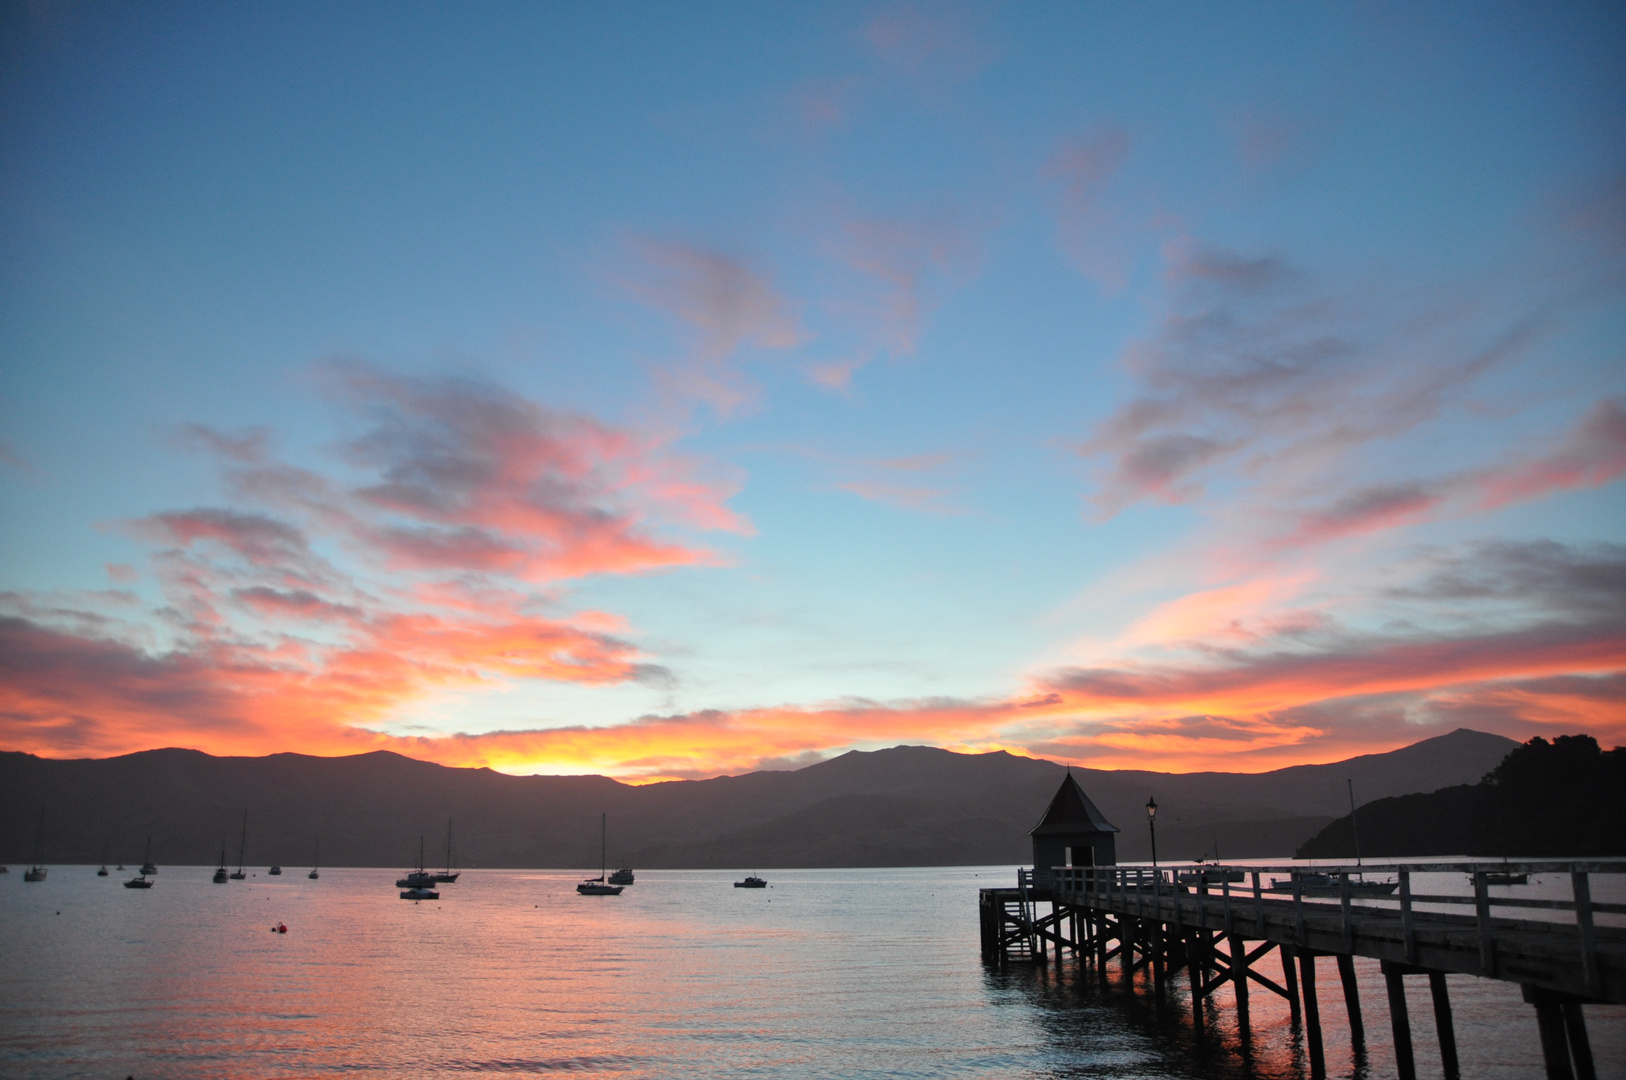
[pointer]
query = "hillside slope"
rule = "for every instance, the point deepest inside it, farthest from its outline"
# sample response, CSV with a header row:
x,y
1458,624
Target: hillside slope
x,y
908,805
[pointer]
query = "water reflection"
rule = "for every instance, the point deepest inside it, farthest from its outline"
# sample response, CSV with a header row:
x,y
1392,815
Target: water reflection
x,y
835,973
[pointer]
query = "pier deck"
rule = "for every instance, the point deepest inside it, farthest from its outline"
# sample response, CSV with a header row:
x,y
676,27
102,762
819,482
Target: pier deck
x,y
1202,919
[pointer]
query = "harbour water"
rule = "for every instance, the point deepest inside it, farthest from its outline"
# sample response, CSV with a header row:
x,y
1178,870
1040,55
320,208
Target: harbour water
x,y
827,973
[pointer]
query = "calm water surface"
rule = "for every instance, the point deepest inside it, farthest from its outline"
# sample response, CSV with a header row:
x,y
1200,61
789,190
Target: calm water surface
x,y
828,973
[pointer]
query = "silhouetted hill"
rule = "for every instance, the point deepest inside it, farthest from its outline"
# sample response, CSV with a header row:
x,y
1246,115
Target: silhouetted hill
x,y
907,806
1544,800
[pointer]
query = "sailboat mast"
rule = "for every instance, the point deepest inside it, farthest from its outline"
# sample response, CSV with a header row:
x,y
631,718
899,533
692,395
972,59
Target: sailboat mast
x,y
1354,826
242,844
448,845
39,836
603,842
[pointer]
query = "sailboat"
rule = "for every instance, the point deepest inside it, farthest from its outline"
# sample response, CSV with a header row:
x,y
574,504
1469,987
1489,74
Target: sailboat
x,y
220,874
598,886
242,845
317,858
416,883
146,865
138,882
103,871
450,875
36,872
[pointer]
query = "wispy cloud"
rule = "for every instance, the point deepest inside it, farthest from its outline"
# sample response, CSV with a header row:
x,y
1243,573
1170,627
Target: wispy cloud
x,y
728,306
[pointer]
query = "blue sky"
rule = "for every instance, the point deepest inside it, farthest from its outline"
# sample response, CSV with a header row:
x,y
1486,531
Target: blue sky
x,y
955,359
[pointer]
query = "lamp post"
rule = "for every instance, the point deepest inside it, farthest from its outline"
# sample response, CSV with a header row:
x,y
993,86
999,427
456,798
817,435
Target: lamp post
x,y
1151,823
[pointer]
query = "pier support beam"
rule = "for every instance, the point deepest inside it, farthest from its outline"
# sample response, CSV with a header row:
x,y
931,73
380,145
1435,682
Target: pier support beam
x,y
1395,981
1290,977
1564,1043
1312,1017
1443,1026
1239,978
1352,1002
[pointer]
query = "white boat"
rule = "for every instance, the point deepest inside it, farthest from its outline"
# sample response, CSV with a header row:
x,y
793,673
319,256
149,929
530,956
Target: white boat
x,y
419,878
599,886
449,876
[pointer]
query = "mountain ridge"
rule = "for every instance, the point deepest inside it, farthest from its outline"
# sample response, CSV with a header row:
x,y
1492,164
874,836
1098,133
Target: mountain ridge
x,y
905,805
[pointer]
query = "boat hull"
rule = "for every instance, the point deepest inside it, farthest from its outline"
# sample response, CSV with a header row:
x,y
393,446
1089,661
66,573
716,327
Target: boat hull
x,y
593,888
138,883
751,883
420,894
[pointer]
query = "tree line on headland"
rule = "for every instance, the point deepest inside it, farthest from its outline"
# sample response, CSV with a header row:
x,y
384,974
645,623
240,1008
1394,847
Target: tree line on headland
x,y
1544,800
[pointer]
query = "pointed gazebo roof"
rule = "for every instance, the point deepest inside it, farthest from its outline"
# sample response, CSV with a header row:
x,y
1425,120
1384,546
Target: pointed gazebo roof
x,y
1071,812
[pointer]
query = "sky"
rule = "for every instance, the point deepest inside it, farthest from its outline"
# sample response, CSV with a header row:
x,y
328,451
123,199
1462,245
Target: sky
x,y
668,391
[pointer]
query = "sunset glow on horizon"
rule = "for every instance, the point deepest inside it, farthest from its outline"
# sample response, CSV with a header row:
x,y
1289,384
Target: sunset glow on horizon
x,y
676,393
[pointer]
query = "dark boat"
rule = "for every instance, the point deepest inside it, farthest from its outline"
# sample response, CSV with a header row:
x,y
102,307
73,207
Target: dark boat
x,y
220,874
317,858
147,867
449,876
36,872
751,882
103,871
242,845
138,883
598,886
275,871
420,894
622,876
419,879
1315,883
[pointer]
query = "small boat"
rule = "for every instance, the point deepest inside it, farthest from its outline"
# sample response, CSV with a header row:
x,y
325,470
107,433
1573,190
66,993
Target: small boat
x,y
275,871
241,846
315,859
36,872
1504,876
449,876
599,886
220,874
147,867
622,876
103,871
751,882
1314,883
420,894
419,879
5,869
1209,877
138,883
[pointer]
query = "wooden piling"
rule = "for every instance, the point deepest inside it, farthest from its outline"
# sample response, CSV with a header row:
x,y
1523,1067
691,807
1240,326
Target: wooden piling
x,y
1580,1047
1555,1050
1239,978
1312,1014
1194,970
1405,1061
1290,976
1443,1026
1352,1001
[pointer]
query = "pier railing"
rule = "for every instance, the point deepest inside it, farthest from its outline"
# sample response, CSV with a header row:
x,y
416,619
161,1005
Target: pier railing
x,y
1252,898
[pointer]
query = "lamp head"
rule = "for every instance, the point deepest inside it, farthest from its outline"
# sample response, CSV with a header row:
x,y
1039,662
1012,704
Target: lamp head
x,y
1151,808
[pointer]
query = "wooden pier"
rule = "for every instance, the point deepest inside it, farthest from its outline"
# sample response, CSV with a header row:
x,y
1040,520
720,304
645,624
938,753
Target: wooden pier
x,y
1214,925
